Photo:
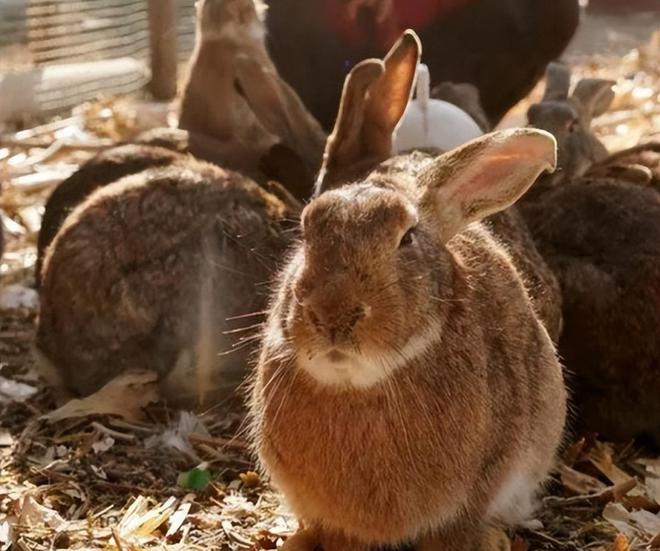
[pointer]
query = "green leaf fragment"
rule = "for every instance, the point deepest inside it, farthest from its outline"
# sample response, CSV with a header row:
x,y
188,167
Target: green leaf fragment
x,y
195,479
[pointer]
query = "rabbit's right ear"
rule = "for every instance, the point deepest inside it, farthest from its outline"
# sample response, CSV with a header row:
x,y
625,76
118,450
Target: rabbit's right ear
x,y
483,177
279,109
373,101
557,82
595,95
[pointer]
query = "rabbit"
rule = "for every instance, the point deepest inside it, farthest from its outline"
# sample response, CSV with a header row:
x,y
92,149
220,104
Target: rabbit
x,y
601,237
639,164
569,120
293,143
406,391
230,42
149,271
137,273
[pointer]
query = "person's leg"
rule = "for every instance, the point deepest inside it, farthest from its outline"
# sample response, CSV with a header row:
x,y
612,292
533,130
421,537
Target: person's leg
x,y
309,55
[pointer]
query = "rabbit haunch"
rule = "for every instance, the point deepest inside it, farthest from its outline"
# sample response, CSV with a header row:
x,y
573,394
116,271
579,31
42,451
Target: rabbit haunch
x,y
402,352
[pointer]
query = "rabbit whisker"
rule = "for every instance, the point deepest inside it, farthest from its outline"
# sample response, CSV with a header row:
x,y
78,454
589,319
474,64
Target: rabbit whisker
x,y
243,316
242,329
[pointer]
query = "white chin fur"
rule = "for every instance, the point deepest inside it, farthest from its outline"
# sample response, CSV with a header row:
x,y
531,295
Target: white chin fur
x,y
367,370
353,371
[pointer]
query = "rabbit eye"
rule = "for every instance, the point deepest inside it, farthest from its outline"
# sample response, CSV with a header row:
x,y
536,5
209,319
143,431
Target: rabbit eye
x,y
407,238
573,126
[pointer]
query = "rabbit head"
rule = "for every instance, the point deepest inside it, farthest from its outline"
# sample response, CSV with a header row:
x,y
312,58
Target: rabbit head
x,y
375,251
212,17
569,117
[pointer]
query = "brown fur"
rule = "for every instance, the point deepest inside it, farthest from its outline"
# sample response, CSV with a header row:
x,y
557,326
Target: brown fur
x,y
107,167
123,279
637,165
232,90
223,32
511,230
419,453
601,236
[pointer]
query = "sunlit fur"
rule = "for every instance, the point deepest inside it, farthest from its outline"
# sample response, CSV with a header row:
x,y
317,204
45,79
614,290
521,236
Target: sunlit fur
x,y
213,15
406,391
423,435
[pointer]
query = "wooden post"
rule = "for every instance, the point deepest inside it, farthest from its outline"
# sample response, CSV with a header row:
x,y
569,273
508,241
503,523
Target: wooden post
x,y
162,40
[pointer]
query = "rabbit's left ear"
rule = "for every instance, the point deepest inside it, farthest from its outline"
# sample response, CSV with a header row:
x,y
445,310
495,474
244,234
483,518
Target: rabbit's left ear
x,y
279,109
483,177
375,95
595,95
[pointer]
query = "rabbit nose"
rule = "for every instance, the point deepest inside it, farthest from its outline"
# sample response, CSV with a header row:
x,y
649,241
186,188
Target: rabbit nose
x,y
337,328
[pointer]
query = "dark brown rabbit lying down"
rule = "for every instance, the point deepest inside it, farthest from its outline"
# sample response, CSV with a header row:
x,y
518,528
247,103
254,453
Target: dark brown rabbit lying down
x,y
146,273
601,236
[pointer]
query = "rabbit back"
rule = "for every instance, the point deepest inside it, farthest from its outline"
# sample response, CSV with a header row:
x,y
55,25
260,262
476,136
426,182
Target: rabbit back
x,y
105,168
146,264
602,239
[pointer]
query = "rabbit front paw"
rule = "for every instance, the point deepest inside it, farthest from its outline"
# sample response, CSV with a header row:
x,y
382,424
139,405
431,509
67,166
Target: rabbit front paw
x,y
493,539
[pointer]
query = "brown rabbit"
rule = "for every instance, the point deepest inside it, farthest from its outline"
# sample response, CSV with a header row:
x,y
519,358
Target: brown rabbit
x,y
289,150
569,118
406,391
105,168
146,273
231,43
602,239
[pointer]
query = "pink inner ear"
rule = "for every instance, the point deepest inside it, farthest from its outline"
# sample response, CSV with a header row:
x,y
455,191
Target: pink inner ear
x,y
487,174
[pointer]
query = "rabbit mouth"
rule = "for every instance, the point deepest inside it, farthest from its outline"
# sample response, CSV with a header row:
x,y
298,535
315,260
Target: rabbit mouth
x,y
340,368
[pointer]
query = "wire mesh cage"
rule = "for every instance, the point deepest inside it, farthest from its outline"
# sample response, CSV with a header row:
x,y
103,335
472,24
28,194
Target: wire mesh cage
x,y
57,53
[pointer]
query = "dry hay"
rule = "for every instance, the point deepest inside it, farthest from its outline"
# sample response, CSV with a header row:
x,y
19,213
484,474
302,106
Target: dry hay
x,y
168,480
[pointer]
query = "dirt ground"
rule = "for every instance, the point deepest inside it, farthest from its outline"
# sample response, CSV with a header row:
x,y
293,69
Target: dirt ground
x,y
164,479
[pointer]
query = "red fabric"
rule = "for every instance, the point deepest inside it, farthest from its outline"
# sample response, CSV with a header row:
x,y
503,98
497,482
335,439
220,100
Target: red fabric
x,y
415,14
